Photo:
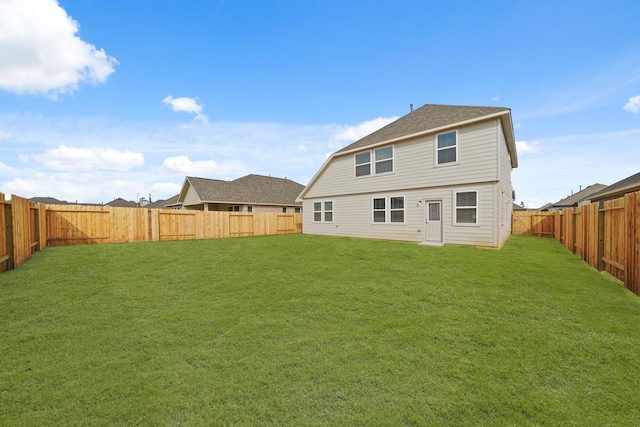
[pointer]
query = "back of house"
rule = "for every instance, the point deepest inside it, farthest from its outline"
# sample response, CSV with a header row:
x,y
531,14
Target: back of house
x,y
439,175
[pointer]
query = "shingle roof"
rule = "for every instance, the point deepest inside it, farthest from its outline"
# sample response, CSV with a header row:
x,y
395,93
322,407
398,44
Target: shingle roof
x,y
424,119
48,201
163,203
578,197
250,189
623,186
121,203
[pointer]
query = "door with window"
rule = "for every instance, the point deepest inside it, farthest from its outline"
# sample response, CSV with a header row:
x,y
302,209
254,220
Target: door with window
x,y
433,221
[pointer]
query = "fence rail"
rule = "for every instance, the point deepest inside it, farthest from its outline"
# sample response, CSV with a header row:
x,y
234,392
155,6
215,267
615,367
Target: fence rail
x,y
607,237
27,228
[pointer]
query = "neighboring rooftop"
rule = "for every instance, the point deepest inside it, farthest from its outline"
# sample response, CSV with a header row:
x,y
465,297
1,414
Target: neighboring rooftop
x,y
166,203
250,189
575,199
121,203
627,185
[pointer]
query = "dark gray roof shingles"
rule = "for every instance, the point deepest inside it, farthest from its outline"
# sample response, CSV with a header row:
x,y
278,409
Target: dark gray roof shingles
x,y
250,189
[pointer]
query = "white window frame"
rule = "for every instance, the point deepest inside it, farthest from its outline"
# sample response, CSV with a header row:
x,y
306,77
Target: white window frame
x,y
323,211
456,208
437,149
388,210
373,162
357,165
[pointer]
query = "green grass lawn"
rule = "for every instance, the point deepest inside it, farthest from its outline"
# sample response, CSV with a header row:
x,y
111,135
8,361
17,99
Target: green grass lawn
x,y
311,330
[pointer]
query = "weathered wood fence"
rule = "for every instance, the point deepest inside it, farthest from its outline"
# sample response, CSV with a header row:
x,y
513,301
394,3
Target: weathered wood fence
x,y
607,237
26,229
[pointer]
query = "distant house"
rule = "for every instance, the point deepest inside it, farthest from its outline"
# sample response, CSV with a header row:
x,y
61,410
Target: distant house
x,y
251,193
618,189
121,203
170,203
48,201
575,200
441,174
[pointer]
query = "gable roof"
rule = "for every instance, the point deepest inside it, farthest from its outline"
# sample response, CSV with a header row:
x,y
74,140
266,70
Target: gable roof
x,y
427,119
121,203
627,185
430,118
250,189
575,199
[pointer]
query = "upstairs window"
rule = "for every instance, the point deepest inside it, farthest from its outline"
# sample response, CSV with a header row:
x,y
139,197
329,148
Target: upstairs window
x,y
382,161
467,207
363,163
447,147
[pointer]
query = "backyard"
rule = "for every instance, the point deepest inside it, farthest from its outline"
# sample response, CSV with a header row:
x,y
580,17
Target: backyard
x,y
311,330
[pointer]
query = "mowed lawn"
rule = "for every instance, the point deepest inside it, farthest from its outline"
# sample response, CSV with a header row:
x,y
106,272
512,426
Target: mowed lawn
x,y
311,330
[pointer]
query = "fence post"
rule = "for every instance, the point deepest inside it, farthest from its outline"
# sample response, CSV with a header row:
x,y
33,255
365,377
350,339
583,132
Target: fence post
x,y
600,254
8,219
36,225
573,230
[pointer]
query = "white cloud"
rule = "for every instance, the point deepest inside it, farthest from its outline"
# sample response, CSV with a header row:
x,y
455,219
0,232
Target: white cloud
x,y
182,165
164,190
633,106
187,105
4,135
40,53
354,133
70,159
527,147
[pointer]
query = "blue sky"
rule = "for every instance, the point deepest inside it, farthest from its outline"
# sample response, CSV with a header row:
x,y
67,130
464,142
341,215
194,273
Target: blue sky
x,y
103,99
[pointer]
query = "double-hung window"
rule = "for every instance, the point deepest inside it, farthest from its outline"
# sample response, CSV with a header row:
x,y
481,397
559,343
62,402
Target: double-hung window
x,y
323,211
467,207
388,209
376,162
384,159
447,147
363,163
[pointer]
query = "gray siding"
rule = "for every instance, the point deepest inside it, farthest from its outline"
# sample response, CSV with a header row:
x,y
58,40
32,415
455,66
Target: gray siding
x,y
483,166
352,216
191,198
414,165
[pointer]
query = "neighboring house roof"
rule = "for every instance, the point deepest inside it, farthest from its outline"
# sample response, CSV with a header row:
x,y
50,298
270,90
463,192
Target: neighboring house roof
x,y
48,201
430,118
121,203
545,207
575,199
517,207
627,185
159,204
250,190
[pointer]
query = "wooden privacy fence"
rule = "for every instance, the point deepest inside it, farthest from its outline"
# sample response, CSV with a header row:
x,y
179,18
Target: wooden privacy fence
x,y
607,237
26,229
20,231
73,225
